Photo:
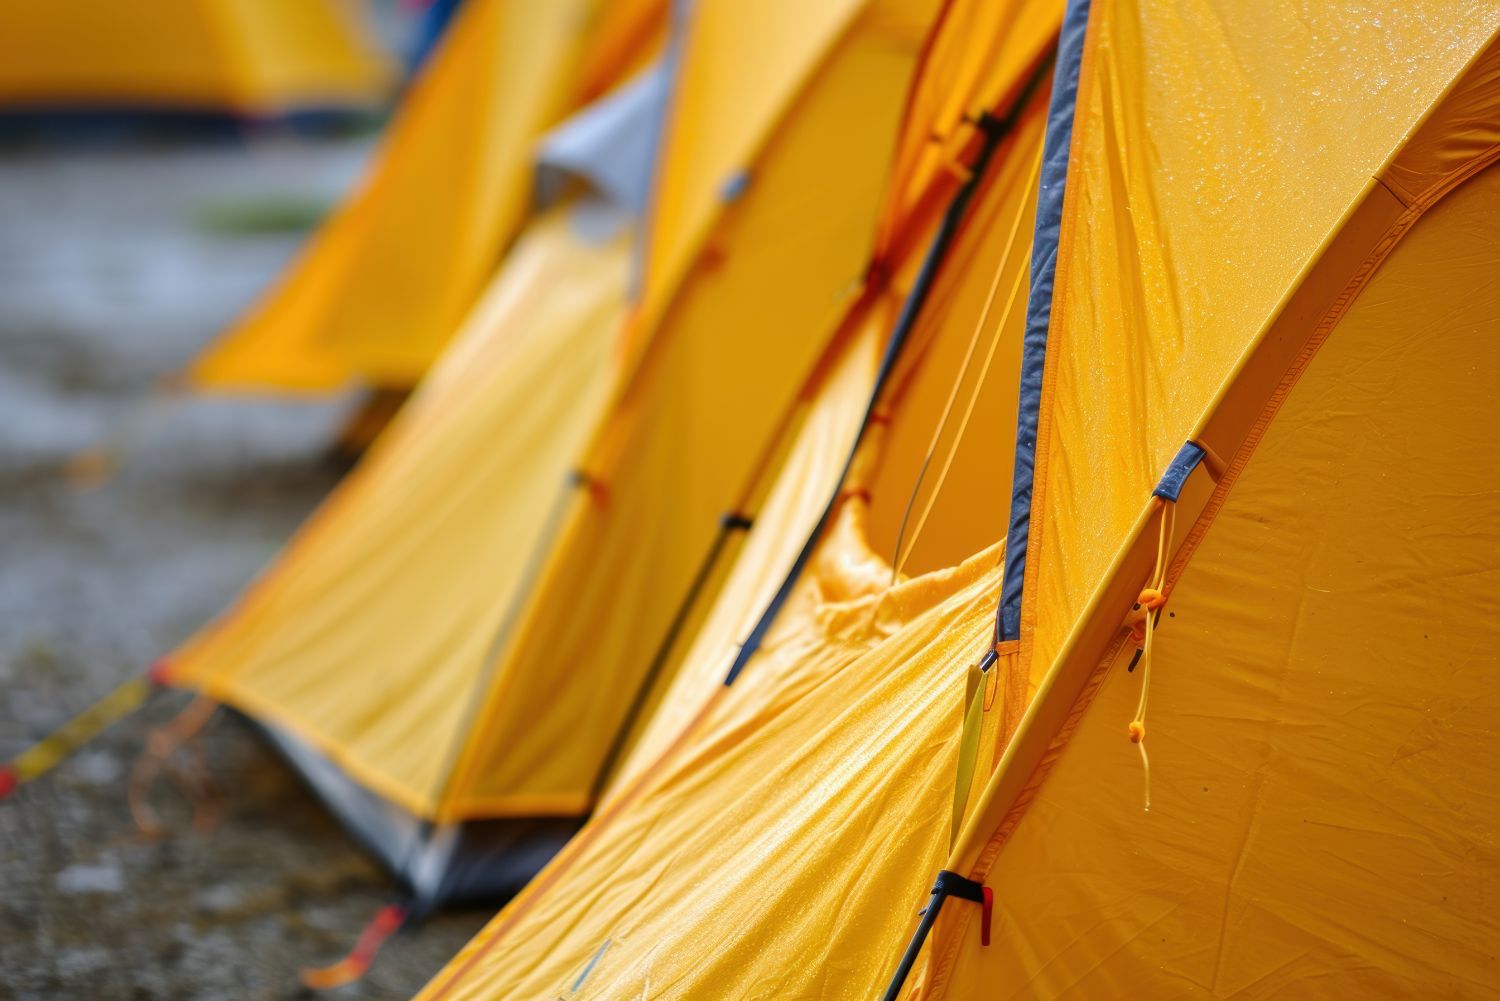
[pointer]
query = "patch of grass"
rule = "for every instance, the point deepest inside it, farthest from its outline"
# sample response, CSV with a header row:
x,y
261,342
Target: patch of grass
x,y
268,215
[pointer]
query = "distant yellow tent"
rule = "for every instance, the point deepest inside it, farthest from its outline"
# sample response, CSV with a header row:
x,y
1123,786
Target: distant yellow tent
x,y
467,629
385,283
247,57
736,847
364,646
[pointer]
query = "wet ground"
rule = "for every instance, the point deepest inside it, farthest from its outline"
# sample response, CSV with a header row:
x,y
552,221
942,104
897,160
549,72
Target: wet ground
x,y
109,277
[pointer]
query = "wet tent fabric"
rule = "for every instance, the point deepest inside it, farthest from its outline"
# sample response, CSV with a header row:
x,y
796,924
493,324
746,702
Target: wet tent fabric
x,y
1320,725
1193,247
701,409
244,57
453,177
755,852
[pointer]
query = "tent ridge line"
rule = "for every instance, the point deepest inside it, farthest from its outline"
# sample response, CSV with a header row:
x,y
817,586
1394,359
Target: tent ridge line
x,y
1315,341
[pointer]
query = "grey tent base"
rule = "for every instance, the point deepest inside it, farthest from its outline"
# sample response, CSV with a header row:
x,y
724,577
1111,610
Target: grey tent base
x,y
482,861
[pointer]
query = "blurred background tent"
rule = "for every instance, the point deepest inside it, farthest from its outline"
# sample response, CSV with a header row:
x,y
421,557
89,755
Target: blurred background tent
x,y
248,58
363,647
390,637
384,284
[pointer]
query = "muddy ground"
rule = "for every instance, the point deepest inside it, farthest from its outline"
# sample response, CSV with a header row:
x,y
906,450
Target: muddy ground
x,y
109,277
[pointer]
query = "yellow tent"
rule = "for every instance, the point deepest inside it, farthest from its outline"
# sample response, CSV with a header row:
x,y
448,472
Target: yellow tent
x,y
463,631
749,844
248,57
386,281
1315,319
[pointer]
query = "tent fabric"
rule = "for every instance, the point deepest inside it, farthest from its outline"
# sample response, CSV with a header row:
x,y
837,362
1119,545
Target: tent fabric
x,y
753,844
246,57
1203,237
453,177
408,569
1280,651
1324,811
807,478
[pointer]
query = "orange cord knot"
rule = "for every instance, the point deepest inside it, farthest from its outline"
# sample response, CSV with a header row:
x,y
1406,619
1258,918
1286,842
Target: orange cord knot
x,y
1137,730
1150,600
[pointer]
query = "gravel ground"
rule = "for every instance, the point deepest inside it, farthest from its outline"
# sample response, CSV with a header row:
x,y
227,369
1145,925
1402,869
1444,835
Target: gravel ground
x,y
105,283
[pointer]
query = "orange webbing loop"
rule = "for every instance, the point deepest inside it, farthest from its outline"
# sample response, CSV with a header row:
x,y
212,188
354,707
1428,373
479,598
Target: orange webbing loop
x,y
1149,604
194,780
386,922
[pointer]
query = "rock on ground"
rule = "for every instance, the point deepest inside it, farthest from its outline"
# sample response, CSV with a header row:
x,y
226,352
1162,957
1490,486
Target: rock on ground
x,y
105,283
